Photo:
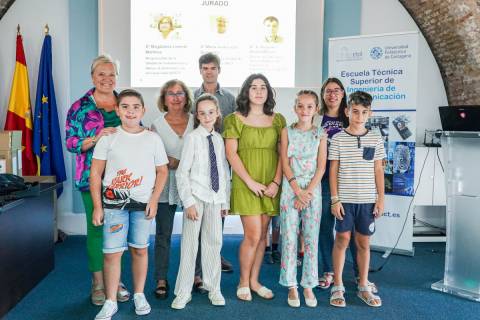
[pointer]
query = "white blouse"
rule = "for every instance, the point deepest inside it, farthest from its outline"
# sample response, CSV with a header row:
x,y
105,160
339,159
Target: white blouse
x,y
173,146
193,173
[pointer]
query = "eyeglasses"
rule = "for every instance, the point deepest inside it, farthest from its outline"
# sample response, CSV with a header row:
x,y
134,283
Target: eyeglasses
x,y
336,91
179,94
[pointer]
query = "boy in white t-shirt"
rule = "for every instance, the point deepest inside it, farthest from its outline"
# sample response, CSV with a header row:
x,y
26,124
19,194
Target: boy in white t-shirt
x,y
357,194
132,162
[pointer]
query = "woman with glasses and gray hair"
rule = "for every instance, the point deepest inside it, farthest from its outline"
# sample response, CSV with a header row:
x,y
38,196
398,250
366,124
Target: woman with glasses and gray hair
x,y
174,122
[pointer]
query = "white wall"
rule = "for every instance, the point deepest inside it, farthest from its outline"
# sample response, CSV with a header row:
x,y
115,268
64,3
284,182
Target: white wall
x,y
387,16
32,17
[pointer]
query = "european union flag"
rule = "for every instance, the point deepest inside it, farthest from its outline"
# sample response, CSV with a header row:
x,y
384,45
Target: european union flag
x,y
47,142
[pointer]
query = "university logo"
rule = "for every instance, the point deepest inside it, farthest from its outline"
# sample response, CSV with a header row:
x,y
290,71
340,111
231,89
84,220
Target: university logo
x,y
376,53
346,54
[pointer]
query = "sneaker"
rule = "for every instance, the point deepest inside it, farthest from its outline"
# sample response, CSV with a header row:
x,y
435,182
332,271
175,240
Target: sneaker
x,y
108,310
141,304
216,298
198,287
277,256
226,266
268,257
181,301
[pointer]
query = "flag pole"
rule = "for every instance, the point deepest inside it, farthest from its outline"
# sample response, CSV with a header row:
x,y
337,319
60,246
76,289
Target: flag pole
x,y
18,29
46,29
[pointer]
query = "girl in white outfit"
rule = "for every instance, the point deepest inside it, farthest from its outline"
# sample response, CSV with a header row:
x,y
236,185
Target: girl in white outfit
x,y
204,187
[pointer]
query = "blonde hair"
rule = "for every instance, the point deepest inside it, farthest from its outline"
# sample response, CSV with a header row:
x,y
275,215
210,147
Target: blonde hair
x,y
101,59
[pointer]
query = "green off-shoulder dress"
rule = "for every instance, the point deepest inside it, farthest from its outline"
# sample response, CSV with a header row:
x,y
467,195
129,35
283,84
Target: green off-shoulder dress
x,y
258,150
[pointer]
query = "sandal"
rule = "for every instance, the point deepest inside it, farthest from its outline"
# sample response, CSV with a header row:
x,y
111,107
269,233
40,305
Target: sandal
x,y
325,281
97,295
161,291
264,293
337,294
122,293
370,299
372,285
244,294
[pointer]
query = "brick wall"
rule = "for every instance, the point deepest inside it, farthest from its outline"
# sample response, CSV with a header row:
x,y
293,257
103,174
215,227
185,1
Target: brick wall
x,y
452,29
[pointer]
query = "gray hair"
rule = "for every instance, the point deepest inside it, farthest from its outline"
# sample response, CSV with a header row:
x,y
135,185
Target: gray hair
x,y
101,59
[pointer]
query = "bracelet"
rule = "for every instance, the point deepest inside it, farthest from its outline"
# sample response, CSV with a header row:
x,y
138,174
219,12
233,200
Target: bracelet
x,y
332,198
94,140
291,179
334,203
273,181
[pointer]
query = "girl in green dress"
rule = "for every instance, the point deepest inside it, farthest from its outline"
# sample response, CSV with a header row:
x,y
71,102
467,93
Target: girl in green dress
x,y
252,136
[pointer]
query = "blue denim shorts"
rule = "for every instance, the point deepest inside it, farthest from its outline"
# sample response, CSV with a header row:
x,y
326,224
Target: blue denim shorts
x,y
123,228
359,215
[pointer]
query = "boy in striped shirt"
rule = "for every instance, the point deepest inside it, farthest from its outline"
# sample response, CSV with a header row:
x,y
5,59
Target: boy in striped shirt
x,y
357,191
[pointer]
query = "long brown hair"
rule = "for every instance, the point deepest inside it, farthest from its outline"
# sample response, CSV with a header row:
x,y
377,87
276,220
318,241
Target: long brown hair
x,y
243,101
343,104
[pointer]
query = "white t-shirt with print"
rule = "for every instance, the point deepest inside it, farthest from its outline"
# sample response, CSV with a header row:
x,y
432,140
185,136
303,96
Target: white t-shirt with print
x,y
130,171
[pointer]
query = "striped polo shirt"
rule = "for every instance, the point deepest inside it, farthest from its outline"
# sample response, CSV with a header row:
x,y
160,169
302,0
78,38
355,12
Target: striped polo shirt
x,y
356,174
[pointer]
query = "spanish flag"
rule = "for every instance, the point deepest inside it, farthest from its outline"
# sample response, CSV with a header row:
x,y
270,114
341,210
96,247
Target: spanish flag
x,y
19,114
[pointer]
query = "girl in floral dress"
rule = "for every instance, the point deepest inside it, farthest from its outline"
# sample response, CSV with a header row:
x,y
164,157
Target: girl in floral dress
x,y
303,155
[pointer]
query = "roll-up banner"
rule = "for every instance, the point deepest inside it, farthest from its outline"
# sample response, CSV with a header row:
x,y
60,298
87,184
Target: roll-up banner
x,y
386,66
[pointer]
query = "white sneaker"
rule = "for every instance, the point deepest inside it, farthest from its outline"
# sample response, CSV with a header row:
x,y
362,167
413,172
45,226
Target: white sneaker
x,y
141,304
108,310
216,298
181,301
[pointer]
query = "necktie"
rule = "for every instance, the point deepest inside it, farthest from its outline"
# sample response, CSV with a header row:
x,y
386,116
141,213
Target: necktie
x,y
213,165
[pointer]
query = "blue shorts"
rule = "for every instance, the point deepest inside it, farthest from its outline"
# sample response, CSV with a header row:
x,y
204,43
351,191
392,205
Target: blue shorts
x,y
359,215
123,228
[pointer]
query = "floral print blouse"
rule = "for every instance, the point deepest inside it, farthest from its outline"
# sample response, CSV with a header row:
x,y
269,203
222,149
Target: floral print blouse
x,y
84,121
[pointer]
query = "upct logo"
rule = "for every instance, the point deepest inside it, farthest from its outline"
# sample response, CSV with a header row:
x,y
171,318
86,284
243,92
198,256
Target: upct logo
x,y
376,53
348,54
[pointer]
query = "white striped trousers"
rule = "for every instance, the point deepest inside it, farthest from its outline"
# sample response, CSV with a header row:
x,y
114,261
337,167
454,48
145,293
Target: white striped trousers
x,y
209,223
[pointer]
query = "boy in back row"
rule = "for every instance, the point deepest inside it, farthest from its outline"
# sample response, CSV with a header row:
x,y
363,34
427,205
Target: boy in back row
x,y
357,194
